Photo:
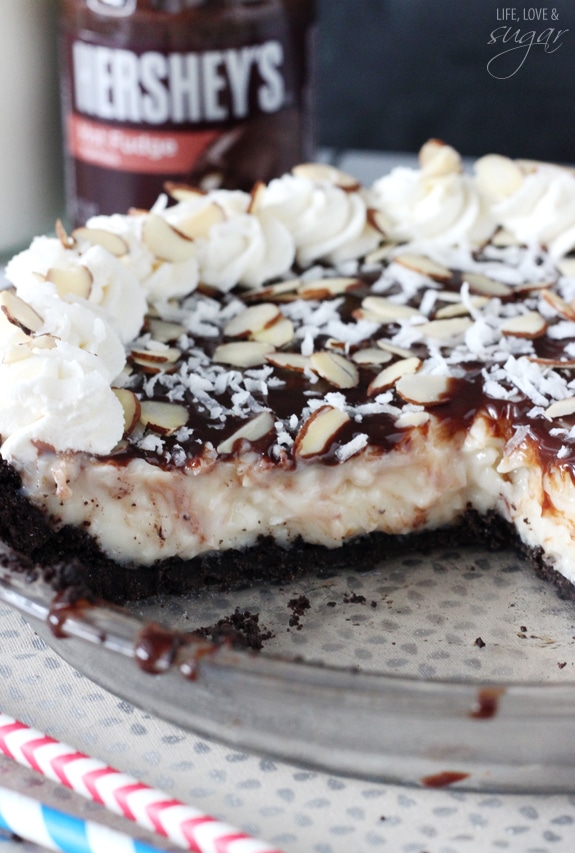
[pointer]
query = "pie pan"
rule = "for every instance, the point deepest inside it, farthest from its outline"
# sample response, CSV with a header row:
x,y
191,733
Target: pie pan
x,y
452,668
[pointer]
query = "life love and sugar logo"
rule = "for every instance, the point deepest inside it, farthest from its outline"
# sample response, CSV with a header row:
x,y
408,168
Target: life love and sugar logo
x,y
519,32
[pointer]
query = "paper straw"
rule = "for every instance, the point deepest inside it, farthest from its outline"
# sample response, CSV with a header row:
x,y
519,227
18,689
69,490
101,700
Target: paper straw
x,y
48,827
150,808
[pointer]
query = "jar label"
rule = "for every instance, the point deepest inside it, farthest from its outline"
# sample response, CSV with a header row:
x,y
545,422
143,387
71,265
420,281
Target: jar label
x,y
152,152
151,88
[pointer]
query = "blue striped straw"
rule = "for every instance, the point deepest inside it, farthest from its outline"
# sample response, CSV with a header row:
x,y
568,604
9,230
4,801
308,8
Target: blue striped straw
x,y
55,830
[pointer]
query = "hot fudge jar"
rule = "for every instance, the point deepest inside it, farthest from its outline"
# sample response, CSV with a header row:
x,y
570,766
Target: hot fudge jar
x,y
214,93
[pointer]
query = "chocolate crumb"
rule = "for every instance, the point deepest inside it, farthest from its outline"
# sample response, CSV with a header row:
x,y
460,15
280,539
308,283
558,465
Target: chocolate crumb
x,y
562,664
352,598
241,630
298,606
480,642
331,604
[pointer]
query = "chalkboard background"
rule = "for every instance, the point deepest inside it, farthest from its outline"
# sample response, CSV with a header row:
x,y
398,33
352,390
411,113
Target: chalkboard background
x,y
392,73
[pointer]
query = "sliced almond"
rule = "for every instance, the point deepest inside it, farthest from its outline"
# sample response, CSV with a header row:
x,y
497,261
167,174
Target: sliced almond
x,y
242,353
379,221
120,447
566,267
389,375
425,390
437,159
450,296
562,308
445,330
412,419
371,356
335,369
319,431
278,292
497,176
27,347
459,309
72,280
163,417
289,361
17,352
561,408
182,192
479,283
167,355
131,406
324,173
368,316
113,243
19,313
257,196
336,345
199,223
382,253
11,333
388,311
164,330
324,288
63,236
424,265
152,366
154,312
278,334
252,319
164,241
44,341
556,363
456,309
393,349
528,288
252,430
530,325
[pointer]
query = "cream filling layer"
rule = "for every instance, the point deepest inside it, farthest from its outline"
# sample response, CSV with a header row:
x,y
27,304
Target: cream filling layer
x,y
140,513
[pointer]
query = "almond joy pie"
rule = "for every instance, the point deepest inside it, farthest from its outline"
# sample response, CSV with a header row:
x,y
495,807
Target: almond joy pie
x,y
235,387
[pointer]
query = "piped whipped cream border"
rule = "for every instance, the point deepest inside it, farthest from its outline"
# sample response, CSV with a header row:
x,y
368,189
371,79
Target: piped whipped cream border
x,y
92,289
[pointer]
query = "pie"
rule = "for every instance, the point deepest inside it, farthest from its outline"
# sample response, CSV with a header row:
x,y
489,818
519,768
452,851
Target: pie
x,y
235,387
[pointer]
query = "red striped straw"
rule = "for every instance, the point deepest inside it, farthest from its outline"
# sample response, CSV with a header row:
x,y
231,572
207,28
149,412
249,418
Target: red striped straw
x,y
147,807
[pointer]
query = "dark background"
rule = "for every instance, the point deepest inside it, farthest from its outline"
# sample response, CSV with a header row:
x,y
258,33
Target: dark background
x,y
393,73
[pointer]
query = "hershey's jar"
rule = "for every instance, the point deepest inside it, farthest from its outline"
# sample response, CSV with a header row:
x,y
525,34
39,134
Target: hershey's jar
x,y
208,92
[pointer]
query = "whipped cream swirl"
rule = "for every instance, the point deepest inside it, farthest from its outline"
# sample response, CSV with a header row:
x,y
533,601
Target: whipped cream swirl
x,y
437,202
534,202
111,288
243,244
60,396
159,279
326,222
